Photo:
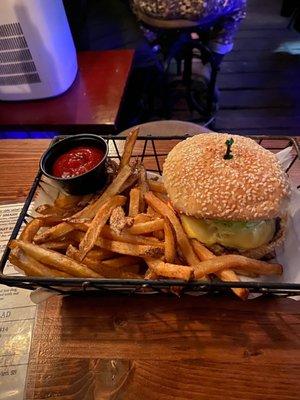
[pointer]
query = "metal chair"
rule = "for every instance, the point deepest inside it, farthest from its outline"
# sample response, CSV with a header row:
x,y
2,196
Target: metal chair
x,y
183,41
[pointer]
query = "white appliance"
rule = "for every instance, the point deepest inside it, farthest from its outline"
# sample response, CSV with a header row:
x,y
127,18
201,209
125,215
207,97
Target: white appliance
x,y
37,53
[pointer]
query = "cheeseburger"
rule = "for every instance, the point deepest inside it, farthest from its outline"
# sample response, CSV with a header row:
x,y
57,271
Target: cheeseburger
x,y
230,193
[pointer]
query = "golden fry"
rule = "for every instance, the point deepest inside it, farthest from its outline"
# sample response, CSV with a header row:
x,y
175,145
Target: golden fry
x,y
225,275
168,270
89,211
108,233
32,267
30,230
143,185
142,218
134,202
63,245
220,263
118,221
129,145
165,211
57,260
156,186
170,250
146,227
97,224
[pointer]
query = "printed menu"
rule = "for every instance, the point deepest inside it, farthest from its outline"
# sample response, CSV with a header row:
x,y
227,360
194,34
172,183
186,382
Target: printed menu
x,y
17,317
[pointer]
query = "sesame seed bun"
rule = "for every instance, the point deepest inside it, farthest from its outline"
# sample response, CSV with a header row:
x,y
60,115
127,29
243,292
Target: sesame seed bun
x,y
201,183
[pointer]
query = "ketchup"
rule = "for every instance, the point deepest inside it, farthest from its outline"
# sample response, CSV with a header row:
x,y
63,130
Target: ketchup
x,y
77,161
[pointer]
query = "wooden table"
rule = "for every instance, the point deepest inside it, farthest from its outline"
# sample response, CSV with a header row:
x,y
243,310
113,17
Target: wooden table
x,y
154,347
93,102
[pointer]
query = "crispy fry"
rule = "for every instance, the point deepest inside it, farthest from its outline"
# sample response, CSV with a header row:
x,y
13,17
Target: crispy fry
x,y
170,251
144,188
134,202
50,219
168,270
225,275
130,249
142,218
66,202
101,254
97,224
220,263
47,209
58,261
118,221
63,245
156,186
89,211
165,211
30,230
107,233
245,273
146,227
129,144
32,267
129,183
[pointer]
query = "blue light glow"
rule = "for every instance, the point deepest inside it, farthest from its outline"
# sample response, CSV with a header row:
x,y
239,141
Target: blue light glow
x,y
27,135
289,47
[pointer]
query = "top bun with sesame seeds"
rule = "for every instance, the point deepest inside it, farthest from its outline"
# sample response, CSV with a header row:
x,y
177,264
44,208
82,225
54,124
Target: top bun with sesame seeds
x,y
236,202
201,183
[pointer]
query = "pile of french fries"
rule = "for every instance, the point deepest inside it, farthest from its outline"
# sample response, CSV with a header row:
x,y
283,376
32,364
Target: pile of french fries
x,y
128,231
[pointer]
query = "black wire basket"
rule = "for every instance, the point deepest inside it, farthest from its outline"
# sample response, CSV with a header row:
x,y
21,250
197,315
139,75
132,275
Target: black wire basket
x,y
151,150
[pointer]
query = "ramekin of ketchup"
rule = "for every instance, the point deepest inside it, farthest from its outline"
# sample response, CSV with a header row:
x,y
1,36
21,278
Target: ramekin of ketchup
x,y
77,163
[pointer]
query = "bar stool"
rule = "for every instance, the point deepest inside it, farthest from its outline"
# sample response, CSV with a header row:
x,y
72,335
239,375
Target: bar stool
x,y
183,41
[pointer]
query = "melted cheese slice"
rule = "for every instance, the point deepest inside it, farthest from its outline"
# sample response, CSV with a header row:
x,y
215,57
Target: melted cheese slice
x,y
240,235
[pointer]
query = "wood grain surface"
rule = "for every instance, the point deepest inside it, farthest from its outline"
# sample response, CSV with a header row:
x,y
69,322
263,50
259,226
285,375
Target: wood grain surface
x,y
93,100
163,347
156,347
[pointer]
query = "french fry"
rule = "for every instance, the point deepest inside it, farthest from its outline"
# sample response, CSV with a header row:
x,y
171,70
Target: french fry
x,y
30,230
66,202
156,186
101,254
146,227
142,218
143,185
50,219
118,221
225,275
89,211
108,233
129,183
129,145
47,209
231,261
170,250
165,211
130,249
32,267
112,268
57,260
63,245
168,270
97,224
134,202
